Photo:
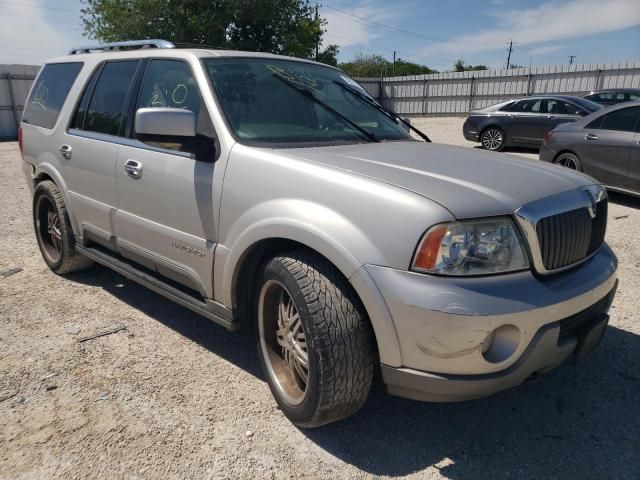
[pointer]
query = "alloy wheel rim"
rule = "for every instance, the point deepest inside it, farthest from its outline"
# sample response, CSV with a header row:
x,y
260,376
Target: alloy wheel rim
x,y
283,342
566,161
492,139
49,229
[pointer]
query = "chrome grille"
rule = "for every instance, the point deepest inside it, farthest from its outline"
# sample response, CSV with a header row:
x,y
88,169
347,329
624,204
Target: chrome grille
x,y
568,237
564,229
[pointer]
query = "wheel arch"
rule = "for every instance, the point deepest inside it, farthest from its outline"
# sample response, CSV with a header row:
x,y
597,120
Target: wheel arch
x,y
46,171
244,282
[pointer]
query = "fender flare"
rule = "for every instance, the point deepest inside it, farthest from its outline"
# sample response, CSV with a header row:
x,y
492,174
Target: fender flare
x,y
49,170
229,261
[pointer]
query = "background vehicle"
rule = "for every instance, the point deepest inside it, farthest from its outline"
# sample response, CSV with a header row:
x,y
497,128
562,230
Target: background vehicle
x,y
614,96
524,121
605,145
274,194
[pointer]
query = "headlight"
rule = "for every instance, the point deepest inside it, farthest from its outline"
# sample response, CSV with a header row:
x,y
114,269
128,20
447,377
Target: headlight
x,y
473,247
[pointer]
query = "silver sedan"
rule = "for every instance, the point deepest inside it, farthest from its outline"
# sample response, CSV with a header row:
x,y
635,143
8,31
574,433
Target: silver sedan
x,y
605,145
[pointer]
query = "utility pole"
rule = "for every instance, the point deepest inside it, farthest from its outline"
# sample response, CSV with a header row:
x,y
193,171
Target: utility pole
x,y
571,57
509,54
317,36
394,63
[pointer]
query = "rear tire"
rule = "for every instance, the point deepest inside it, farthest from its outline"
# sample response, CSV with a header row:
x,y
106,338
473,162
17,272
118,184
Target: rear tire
x,y
316,344
53,230
493,139
568,160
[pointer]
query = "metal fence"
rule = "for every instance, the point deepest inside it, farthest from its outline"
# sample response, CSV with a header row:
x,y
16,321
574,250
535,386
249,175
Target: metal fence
x,y
459,92
451,93
15,82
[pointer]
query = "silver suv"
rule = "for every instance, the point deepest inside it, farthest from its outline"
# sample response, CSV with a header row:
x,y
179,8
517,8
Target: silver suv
x,y
273,193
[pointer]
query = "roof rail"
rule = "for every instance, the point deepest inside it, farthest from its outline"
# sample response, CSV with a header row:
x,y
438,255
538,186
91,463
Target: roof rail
x,y
130,45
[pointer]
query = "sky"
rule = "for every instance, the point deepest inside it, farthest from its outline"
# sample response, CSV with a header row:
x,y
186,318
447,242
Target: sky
x,y
431,32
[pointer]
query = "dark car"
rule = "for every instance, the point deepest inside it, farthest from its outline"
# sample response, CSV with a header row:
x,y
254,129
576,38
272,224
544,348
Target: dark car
x,y
523,121
613,96
605,145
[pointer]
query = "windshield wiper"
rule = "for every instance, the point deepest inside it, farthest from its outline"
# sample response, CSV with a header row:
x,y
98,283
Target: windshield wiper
x,y
377,106
309,94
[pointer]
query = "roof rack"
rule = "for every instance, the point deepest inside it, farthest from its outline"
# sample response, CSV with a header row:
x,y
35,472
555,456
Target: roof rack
x,y
130,45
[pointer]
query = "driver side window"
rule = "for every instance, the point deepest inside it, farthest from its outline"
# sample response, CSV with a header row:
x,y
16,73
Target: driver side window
x,y
170,83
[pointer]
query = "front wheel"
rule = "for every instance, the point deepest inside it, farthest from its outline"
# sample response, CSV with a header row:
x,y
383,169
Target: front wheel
x,y
493,138
316,343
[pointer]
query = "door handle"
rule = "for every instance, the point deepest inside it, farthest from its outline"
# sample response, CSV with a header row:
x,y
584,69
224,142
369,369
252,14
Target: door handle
x,y
551,116
133,168
590,136
65,151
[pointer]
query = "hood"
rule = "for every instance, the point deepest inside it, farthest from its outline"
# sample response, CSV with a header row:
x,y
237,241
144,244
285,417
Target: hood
x,y
468,182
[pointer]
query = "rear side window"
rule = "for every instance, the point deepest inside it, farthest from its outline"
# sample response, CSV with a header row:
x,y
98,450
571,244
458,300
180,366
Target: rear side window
x,y
527,106
106,110
621,120
49,93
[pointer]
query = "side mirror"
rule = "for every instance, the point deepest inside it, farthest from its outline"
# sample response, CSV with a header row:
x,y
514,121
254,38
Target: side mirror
x,y
167,122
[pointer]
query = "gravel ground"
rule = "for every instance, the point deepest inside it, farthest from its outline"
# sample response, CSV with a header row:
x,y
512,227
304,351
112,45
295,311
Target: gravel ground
x,y
174,396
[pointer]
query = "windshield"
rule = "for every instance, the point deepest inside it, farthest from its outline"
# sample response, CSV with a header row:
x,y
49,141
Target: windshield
x,y
272,101
588,104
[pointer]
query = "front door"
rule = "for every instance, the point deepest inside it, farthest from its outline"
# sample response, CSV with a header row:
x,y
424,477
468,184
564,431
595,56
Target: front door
x,y
166,212
605,150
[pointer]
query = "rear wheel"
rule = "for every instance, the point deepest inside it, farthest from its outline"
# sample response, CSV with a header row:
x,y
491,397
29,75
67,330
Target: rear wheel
x,y
54,232
568,160
493,138
315,341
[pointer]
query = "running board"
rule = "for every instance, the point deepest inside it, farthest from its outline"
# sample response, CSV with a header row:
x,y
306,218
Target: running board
x,y
157,285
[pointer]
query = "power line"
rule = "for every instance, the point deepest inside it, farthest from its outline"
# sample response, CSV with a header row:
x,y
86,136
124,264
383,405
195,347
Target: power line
x,y
400,31
509,54
404,54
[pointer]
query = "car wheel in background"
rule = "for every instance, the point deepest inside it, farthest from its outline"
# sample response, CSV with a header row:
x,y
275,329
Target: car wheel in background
x,y
568,160
316,344
493,138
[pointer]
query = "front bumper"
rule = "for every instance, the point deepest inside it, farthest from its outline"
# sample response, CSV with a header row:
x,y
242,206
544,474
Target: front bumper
x,y
464,338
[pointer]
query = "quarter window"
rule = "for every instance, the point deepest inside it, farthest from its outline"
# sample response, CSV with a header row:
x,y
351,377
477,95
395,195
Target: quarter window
x,y
49,93
621,120
106,111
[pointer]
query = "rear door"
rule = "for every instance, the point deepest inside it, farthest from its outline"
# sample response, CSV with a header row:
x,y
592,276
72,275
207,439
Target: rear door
x,y
93,136
525,121
606,149
166,215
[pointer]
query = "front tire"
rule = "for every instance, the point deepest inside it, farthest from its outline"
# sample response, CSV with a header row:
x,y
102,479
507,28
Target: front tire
x,y
493,138
316,344
53,230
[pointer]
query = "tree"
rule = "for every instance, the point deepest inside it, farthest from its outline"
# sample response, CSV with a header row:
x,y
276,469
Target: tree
x,y
460,66
287,27
373,65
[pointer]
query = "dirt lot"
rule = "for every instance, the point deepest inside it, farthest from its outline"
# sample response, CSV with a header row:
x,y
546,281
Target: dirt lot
x,y
174,396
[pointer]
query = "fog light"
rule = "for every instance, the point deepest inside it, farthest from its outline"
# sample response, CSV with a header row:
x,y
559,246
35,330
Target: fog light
x,y
501,343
